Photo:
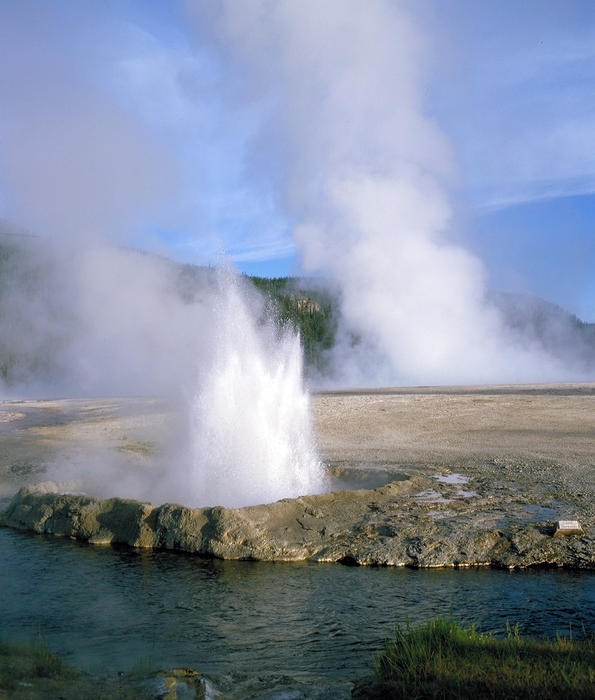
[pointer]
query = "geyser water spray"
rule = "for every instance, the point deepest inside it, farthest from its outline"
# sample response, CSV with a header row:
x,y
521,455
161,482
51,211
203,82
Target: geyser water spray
x,y
240,430
252,439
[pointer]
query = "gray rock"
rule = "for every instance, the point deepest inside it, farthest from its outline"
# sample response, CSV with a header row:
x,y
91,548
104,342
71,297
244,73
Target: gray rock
x,y
388,526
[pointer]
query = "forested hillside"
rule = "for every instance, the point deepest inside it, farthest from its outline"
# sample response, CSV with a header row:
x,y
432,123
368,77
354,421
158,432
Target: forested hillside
x,y
38,320
560,333
310,310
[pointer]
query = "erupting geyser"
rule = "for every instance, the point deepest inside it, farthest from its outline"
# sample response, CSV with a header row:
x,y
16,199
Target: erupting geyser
x,y
252,438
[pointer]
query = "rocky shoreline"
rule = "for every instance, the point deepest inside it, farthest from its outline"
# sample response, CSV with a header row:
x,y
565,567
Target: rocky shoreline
x,y
431,477
443,520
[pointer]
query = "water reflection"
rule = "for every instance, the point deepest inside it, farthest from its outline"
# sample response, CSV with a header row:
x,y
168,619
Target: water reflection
x,y
107,609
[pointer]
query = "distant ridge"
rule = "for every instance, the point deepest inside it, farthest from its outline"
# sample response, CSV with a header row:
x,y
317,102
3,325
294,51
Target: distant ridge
x,y
559,332
308,304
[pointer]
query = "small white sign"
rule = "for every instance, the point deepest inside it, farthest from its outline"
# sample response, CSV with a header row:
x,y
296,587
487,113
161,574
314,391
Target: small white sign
x,y
569,526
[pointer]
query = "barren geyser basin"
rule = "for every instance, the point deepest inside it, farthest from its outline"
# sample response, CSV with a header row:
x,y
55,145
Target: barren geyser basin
x,y
297,333
424,477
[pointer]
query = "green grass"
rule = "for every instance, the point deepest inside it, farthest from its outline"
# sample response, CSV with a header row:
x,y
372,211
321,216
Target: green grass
x,y
30,670
21,661
444,660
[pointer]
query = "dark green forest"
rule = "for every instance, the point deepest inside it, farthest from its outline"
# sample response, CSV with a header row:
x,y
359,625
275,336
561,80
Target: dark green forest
x,y
310,311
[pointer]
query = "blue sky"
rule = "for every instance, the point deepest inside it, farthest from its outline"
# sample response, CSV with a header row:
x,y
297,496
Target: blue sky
x,y
517,102
187,170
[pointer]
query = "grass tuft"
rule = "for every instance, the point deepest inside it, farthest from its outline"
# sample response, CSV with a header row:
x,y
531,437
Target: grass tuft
x,y
444,660
21,661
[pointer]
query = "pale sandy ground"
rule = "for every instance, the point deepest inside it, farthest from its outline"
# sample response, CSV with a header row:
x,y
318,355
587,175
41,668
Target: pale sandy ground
x,y
57,438
446,424
402,429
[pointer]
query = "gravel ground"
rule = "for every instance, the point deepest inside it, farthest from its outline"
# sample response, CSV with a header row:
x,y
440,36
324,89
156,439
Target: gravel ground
x,y
417,430
474,429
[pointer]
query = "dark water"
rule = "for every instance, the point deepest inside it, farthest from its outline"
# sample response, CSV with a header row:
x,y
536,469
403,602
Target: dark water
x,y
108,609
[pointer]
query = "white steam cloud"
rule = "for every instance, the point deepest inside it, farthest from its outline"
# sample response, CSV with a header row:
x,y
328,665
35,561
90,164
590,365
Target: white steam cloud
x,y
103,321
75,166
82,317
365,174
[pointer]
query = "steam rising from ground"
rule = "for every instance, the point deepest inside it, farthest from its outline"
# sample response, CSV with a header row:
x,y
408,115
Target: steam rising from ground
x,y
81,317
128,324
365,173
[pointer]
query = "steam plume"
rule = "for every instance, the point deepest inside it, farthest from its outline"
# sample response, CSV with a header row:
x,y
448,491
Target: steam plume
x,y
84,316
365,173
